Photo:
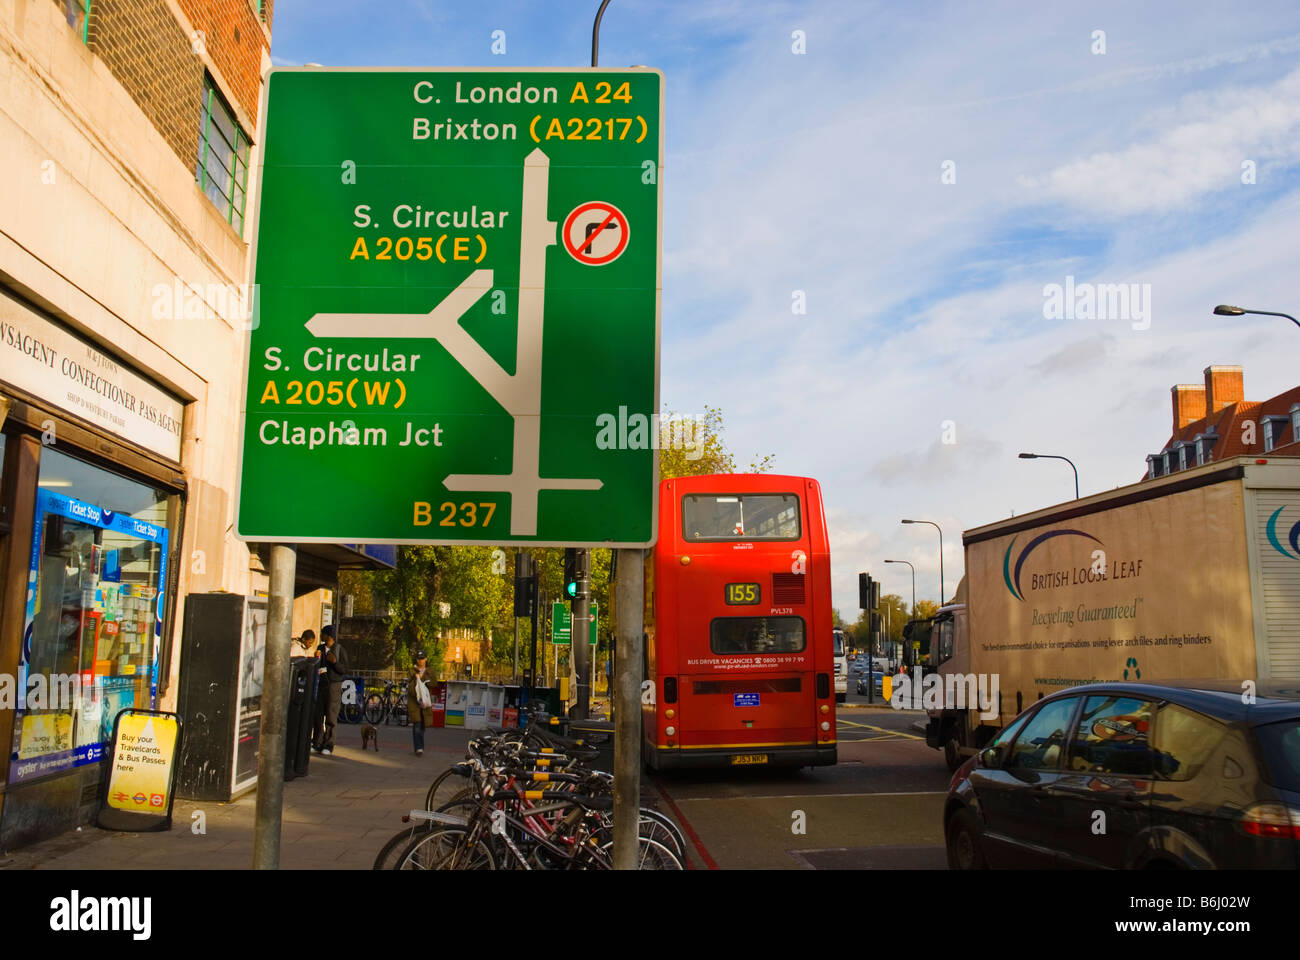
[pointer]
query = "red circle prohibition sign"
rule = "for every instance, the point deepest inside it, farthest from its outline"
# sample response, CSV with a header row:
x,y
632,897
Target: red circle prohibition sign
x,y
601,216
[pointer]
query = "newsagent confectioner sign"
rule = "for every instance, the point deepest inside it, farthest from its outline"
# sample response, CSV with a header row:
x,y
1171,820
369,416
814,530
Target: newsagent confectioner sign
x,y
62,369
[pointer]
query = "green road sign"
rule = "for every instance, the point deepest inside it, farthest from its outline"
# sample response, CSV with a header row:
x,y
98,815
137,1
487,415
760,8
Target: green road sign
x,y
562,623
455,336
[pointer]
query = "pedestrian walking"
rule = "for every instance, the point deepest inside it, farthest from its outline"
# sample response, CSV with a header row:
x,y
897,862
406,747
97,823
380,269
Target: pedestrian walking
x,y
419,701
331,670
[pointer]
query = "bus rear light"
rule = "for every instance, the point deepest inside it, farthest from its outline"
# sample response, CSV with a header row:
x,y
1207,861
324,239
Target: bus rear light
x,y
1273,820
686,561
670,689
671,731
670,713
826,708
826,725
823,686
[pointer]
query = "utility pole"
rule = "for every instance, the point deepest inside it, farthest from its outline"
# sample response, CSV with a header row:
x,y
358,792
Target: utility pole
x,y
629,600
275,704
579,649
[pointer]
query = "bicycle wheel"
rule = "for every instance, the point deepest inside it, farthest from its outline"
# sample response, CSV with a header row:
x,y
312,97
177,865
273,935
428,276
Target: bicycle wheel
x,y
390,851
660,830
447,848
374,709
396,697
446,786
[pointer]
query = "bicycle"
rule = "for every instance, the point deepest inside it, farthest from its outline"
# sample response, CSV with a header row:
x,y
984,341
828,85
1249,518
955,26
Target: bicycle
x,y
499,820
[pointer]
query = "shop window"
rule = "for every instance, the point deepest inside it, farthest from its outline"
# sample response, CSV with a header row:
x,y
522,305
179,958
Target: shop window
x,y
94,615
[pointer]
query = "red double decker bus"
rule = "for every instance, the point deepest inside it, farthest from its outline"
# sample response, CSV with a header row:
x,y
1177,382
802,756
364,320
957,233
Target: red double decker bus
x,y
738,625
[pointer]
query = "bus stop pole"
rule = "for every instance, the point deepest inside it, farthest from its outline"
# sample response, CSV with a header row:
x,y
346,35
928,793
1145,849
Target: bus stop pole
x,y
275,705
579,648
629,602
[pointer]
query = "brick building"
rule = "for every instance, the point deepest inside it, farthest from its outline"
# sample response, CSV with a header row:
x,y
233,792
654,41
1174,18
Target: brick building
x,y
1214,421
128,133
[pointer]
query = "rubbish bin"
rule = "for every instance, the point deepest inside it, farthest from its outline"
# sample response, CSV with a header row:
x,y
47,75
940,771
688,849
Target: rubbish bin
x,y
297,734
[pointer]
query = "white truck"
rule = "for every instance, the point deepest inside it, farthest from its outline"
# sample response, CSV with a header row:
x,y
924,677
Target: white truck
x,y
1188,577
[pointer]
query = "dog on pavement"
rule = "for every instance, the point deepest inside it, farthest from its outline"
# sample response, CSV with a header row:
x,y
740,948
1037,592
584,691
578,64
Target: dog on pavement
x,y
370,734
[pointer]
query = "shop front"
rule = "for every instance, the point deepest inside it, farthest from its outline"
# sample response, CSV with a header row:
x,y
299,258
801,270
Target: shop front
x,y
92,496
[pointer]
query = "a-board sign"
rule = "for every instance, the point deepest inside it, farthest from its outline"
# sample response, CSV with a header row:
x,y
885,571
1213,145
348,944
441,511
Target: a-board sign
x,y
455,326
141,781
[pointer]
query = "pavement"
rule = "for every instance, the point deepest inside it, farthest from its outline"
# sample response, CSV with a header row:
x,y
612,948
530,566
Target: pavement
x,y
337,817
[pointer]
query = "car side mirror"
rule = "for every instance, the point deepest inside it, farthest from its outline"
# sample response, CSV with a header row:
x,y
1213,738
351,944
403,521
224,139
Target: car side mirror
x,y
992,757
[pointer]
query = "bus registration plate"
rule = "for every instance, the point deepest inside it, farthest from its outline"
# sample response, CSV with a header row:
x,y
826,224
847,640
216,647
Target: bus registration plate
x,y
741,759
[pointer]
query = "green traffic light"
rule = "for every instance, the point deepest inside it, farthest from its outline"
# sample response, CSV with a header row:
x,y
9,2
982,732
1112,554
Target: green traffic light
x,y
572,588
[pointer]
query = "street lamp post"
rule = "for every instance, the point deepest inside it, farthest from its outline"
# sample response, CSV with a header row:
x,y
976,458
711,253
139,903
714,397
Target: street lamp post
x,y
913,582
1053,456
940,529
1223,310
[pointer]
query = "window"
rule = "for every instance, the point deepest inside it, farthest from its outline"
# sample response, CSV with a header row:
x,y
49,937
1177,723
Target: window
x,y
222,164
1039,745
1281,743
1295,422
1112,736
945,640
1164,463
759,516
1153,466
1267,424
757,635
1182,456
1183,741
98,585
77,13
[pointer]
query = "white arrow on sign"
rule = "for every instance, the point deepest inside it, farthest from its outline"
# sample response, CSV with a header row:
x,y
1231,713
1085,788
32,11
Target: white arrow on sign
x,y
521,393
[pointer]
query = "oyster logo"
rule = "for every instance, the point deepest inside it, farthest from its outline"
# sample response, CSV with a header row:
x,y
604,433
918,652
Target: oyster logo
x,y
1012,578
1293,537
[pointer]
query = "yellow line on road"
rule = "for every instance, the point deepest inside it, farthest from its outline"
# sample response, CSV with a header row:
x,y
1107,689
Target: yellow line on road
x,y
867,726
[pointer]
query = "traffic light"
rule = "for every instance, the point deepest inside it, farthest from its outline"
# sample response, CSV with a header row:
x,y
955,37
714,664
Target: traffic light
x,y
571,572
525,584
868,592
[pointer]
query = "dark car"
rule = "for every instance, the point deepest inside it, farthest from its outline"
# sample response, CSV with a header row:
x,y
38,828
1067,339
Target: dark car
x,y
862,684
1133,776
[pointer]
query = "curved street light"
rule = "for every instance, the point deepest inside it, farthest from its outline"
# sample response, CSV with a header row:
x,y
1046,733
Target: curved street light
x,y
940,529
913,582
1224,310
1053,456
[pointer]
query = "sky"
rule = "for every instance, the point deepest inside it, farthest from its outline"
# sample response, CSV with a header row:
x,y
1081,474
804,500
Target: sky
x,y
918,177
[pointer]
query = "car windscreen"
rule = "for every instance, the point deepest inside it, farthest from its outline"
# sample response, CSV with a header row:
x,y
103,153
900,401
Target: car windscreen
x,y
754,516
1281,743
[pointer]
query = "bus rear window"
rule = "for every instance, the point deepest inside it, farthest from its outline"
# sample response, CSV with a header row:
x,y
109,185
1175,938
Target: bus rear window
x,y
757,635
755,516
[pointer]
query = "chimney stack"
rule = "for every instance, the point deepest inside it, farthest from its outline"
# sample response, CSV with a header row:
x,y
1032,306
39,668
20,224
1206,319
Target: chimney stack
x,y
1189,404
1223,387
